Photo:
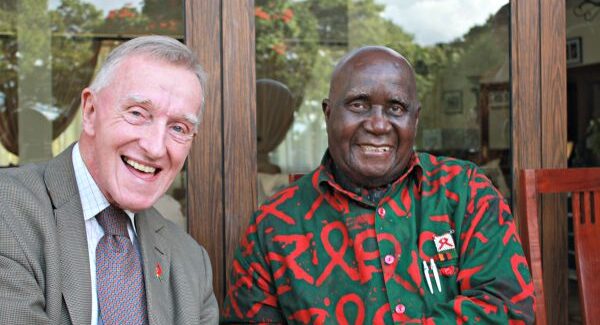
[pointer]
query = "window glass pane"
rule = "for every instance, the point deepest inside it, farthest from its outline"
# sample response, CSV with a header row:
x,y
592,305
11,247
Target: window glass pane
x,y
461,61
49,51
583,109
583,82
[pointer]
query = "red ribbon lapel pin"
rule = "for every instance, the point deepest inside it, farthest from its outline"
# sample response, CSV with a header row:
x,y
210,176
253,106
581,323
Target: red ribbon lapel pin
x,y
158,271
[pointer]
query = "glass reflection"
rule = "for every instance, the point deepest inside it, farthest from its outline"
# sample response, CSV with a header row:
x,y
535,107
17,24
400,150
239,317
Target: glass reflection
x,y
461,61
583,82
583,109
49,51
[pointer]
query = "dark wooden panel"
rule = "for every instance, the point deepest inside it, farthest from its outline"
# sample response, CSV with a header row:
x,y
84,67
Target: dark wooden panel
x,y
539,125
525,78
553,84
554,147
239,121
526,102
205,168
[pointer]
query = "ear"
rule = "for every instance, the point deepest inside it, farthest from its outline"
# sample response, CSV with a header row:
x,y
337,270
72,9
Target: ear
x,y
326,108
417,116
88,111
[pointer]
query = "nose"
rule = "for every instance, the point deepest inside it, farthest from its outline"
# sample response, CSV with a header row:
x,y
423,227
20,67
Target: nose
x,y
153,140
378,122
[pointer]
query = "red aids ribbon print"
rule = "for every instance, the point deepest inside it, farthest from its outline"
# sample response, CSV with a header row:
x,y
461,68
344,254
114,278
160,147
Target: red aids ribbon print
x,y
360,311
290,260
443,243
337,256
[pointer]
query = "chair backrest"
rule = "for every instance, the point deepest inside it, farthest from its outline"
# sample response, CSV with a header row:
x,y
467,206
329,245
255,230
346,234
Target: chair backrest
x,y
584,186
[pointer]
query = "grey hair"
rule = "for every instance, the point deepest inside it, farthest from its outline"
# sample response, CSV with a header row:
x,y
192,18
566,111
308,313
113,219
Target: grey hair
x,y
155,46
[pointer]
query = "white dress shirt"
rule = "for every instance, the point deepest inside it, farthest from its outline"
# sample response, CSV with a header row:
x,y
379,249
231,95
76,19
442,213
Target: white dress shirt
x,y
93,202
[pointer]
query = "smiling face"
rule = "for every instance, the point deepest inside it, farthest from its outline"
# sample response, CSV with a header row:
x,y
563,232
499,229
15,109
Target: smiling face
x,y
137,130
371,116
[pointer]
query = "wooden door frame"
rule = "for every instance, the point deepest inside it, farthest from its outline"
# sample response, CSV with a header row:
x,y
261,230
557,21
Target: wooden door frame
x,y
222,163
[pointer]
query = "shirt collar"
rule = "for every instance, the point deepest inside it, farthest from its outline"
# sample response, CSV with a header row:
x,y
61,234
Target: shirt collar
x,y
414,169
92,199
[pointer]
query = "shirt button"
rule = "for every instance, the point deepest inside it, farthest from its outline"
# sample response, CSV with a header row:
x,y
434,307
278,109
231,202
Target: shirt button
x,y
388,259
381,212
400,309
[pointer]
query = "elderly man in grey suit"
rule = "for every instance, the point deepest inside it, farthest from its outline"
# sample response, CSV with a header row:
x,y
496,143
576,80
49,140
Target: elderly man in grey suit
x,y
79,240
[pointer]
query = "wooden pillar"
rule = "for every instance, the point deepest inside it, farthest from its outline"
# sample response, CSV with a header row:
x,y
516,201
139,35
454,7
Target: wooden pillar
x,y
239,122
222,162
540,126
205,163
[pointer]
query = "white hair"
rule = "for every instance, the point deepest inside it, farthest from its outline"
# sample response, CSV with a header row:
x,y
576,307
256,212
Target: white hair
x,y
163,48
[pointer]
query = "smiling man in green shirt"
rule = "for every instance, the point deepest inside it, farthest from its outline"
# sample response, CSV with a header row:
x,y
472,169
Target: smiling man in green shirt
x,y
380,234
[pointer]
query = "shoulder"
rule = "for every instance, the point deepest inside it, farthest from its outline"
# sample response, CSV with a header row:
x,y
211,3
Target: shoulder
x,y
432,163
184,249
303,188
293,199
462,177
23,194
28,178
27,224
183,242
448,170
186,265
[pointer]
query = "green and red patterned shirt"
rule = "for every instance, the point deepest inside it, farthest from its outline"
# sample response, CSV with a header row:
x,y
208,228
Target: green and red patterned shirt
x,y
439,247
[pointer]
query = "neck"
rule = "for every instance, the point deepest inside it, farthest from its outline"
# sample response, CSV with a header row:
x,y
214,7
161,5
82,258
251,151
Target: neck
x,y
372,193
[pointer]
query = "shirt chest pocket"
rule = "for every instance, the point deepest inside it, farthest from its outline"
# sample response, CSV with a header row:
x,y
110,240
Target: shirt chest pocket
x,y
440,271
440,281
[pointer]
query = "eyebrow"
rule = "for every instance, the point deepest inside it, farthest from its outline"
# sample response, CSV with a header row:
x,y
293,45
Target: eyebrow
x,y
192,119
146,102
355,95
400,100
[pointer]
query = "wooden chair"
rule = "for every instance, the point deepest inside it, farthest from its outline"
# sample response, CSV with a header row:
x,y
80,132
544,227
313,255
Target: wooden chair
x,y
584,186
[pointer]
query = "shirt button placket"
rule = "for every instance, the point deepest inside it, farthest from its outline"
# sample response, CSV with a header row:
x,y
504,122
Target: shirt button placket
x,y
381,212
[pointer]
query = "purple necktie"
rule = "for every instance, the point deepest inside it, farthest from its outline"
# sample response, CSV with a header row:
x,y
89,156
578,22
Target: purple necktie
x,y
120,281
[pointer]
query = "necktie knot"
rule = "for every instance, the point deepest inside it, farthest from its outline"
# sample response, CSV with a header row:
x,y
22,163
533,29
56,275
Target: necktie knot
x,y
113,221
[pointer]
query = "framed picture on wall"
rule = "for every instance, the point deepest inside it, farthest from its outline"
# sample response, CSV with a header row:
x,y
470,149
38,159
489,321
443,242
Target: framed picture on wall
x,y
499,99
452,101
574,50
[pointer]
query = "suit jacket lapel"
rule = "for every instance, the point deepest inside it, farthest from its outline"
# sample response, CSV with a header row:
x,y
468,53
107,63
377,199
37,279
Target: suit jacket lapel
x,y
74,257
156,257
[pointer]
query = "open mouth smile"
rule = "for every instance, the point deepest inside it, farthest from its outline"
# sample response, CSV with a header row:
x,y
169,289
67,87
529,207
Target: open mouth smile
x,y
371,148
140,167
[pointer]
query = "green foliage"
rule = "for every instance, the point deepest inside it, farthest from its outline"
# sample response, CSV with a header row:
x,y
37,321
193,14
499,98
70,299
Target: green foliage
x,y
125,21
58,49
8,19
286,43
72,55
74,16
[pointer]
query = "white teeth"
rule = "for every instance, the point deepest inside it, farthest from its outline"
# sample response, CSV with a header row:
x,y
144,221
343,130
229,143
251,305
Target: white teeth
x,y
140,167
375,149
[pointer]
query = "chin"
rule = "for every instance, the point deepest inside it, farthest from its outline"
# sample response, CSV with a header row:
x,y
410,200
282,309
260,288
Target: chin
x,y
137,205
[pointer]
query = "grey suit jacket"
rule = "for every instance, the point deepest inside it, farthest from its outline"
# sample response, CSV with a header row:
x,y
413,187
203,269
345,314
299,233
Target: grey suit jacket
x,y
44,263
